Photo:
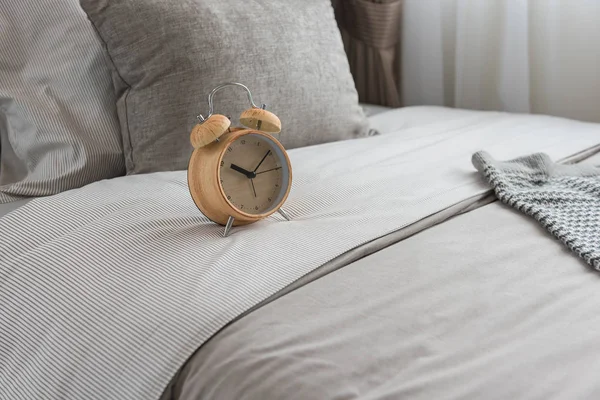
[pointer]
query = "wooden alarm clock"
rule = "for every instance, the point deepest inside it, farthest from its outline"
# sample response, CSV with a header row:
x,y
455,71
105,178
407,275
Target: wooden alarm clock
x,y
238,176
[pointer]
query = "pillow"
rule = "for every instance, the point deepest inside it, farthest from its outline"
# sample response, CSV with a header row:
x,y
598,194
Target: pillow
x,y
58,123
168,55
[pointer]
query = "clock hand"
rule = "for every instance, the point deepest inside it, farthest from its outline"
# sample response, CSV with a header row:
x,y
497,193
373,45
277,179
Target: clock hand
x,y
249,174
254,190
269,170
261,161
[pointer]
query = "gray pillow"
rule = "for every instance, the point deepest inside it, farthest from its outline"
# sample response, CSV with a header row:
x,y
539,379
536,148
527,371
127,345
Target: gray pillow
x,y
168,55
58,122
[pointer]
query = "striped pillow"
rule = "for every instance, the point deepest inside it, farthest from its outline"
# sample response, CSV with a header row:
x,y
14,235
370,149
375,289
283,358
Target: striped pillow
x,y
58,123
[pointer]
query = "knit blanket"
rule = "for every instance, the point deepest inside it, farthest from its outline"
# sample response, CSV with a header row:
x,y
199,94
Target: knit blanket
x,y
564,199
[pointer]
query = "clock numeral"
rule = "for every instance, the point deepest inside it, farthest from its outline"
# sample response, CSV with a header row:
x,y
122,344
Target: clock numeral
x,y
276,185
228,197
222,163
242,207
256,207
269,199
229,149
258,143
243,142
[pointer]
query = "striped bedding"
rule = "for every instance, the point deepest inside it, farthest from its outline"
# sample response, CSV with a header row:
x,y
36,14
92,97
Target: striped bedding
x,y
59,128
106,290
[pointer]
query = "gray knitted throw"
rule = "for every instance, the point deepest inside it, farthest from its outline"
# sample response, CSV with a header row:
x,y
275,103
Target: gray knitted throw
x,y
564,199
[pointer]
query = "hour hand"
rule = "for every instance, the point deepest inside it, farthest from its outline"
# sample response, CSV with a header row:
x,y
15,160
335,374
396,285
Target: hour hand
x,y
249,174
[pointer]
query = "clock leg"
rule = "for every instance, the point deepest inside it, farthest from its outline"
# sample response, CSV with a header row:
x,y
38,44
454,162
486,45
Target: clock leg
x,y
228,226
284,214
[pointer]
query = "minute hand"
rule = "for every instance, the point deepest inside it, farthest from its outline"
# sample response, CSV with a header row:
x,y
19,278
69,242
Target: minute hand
x,y
261,161
268,170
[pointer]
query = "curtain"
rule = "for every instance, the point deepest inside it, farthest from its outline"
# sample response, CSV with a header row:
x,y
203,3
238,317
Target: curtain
x,y
530,56
371,34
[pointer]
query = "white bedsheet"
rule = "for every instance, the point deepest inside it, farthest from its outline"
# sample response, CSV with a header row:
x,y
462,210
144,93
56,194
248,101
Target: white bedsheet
x,y
128,279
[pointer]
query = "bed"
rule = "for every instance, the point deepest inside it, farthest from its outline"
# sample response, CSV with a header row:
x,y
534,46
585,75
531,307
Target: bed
x,y
437,291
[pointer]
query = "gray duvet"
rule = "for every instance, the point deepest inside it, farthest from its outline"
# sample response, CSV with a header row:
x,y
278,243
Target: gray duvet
x,y
484,306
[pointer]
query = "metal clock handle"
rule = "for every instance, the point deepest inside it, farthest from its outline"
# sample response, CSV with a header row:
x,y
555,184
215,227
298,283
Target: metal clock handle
x,y
211,96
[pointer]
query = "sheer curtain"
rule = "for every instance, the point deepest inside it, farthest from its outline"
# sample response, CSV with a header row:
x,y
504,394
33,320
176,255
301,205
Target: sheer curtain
x,y
532,56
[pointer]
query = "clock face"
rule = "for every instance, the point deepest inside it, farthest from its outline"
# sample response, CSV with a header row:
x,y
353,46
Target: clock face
x,y
254,174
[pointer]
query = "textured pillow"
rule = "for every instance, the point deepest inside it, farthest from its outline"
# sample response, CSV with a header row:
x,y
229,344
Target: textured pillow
x,y
168,55
58,123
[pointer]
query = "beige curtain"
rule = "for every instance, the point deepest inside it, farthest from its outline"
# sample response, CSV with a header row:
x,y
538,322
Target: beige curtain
x,y
371,33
